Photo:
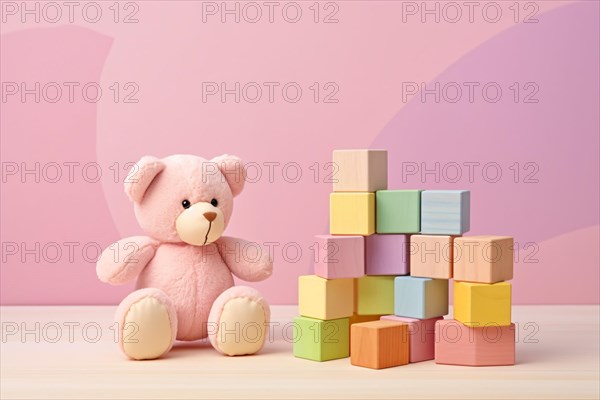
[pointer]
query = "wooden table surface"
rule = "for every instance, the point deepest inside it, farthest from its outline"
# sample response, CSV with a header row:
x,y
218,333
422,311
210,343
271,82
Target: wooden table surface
x,y
69,352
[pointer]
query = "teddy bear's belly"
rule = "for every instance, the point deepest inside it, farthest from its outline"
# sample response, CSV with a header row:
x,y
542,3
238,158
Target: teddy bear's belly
x,y
192,280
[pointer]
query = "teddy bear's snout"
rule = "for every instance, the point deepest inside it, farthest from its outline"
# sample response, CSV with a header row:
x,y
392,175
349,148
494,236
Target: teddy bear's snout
x,y
210,216
200,224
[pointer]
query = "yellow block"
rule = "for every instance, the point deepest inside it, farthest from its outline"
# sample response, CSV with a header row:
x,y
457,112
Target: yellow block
x,y
481,304
352,213
325,298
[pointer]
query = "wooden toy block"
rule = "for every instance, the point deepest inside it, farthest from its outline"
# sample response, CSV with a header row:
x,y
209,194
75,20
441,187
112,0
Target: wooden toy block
x,y
325,298
398,211
360,170
484,259
339,256
421,336
379,344
319,340
458,344
431,256
374,295
357,319
421,298
445,212
387,255
352,213
481,304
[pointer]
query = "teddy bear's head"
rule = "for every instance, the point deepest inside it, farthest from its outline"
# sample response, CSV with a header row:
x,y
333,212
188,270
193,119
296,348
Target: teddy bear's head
x,y
185,198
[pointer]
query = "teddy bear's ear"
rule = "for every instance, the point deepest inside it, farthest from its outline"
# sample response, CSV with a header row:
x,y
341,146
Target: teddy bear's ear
x,y
233,169
141,176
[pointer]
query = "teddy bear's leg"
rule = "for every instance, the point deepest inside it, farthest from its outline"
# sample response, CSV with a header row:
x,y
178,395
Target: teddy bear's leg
x,y
238,321
147,323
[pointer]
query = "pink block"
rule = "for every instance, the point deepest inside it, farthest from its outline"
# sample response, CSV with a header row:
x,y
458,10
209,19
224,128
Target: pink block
x,y
458,344
421,336
339,256
387,254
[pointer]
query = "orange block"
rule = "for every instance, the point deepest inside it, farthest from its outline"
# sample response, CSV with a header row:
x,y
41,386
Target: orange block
x,y
357,319
379,344
458,344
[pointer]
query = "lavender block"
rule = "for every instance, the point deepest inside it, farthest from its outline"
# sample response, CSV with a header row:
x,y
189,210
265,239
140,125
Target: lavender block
x,y
387,254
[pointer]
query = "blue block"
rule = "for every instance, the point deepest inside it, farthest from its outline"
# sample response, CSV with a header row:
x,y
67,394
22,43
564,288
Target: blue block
x,y
420,298
445,212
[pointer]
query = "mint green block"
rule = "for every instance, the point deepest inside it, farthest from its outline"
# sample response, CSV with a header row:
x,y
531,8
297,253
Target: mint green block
x,y
321,340
398,211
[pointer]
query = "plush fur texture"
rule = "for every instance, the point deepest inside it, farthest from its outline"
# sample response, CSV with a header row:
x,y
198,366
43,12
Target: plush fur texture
x,y
182,177
186,278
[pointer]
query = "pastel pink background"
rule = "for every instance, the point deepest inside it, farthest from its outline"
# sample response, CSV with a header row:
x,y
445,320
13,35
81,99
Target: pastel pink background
x,y
369,53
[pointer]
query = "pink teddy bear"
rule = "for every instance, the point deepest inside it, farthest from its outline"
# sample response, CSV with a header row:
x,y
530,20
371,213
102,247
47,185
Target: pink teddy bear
x,y
184,267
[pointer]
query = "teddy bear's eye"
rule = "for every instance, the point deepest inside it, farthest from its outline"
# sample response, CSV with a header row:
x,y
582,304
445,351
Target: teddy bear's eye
x,y
186,203
214,202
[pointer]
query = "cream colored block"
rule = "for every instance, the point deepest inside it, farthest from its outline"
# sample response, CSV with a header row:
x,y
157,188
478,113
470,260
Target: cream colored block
x,y
483,259
360,170
431,256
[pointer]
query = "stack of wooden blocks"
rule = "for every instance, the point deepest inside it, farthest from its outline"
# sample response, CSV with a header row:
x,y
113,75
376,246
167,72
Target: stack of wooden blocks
x,y
481,333
380,288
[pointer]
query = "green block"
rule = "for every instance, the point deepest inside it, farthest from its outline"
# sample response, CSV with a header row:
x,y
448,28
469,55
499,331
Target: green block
x,y
398,211
321,340
375,295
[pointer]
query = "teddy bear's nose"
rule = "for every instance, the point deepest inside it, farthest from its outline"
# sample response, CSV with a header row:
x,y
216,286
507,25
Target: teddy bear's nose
x,y
210,216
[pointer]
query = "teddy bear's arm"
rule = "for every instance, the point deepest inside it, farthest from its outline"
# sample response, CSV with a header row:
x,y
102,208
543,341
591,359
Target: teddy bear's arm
x,y
123,261
244,262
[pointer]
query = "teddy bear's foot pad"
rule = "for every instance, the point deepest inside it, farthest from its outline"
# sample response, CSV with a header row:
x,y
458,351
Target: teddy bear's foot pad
x,y
242,326
147,330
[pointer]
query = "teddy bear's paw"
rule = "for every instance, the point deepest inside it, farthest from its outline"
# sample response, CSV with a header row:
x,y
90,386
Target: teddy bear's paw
x,y
240,317
147,329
